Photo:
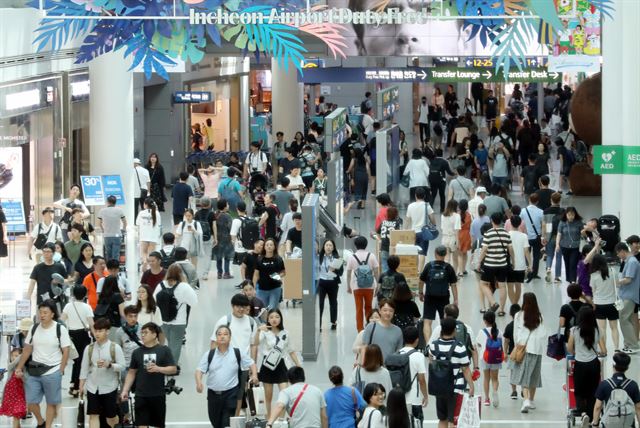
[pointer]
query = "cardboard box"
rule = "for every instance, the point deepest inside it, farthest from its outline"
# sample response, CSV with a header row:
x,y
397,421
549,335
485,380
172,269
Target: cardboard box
x,y
292,283
401,237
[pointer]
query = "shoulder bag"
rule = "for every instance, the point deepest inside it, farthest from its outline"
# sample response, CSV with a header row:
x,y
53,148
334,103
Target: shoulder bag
x,y
519,351
298,398
505,249
143,192
429,231
273,358
42,238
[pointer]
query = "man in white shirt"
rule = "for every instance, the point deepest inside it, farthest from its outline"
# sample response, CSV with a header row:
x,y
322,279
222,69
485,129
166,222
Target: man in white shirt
x,y
367,122
48,228
521,260
100,374
141,186
418,396
243,329
46,344
481,193
416,217
423,120
67,205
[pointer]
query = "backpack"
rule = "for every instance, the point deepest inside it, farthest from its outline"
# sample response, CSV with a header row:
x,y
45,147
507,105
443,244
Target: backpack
x,y
619,411
387,285
462,336
364,273
112,352
167,302
438,285
252,321
493,351
227,193
236,351
204,224
249,232
441,378
168,259
363,107
399,368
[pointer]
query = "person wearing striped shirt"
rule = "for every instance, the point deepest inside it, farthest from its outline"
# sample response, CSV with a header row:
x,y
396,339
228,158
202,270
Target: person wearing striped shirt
x,y
495,259
438,350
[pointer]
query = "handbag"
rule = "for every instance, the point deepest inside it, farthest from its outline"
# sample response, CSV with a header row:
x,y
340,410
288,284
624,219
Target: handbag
x,y
273,358
469,416
359,384
429,231
257,403
507,254
405,180
518,353
555,347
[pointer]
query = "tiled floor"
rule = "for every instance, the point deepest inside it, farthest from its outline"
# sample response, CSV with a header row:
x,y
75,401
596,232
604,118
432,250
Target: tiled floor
x,y
189,408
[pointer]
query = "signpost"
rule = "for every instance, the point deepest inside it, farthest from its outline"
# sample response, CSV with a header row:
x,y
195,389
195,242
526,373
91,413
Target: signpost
x,y
92,189
335,126
616,160
23,309
14,212
113,186
418,74
186,97
488,62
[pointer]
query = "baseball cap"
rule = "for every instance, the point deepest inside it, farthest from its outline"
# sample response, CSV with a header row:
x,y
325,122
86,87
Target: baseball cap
x,y
136,160
47,210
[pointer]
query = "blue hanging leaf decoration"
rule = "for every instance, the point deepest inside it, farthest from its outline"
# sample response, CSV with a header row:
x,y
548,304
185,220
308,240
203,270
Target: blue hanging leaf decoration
x,y
484,25
605,7
56,32
510,44
99,42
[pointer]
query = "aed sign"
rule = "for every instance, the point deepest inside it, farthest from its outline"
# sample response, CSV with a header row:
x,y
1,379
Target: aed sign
x,y
616,160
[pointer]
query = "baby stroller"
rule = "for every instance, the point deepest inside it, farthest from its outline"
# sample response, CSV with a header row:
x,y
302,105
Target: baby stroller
x,y
609,231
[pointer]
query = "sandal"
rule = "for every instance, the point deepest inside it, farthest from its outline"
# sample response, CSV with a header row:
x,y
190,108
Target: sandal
x,y
494,307
501,313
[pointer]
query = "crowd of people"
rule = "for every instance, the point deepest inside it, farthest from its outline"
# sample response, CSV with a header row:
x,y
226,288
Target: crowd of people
x,y
119,344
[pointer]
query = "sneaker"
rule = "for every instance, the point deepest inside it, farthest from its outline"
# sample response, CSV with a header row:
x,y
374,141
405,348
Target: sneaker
x,y
204,277
494,399
532,405
487,402
227,276
585,422
557,280
514,395
547,277
219,275
629,350
525,407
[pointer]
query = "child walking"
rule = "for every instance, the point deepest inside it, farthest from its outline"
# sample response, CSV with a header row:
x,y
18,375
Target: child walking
x,y
14,404
489,345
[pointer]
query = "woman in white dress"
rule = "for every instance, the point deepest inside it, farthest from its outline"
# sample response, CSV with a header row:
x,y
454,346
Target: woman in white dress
x,y
149,229
189,236
451,224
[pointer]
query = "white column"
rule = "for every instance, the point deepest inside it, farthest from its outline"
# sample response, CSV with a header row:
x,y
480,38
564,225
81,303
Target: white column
x,y
244,113
620,110
112,134
286,101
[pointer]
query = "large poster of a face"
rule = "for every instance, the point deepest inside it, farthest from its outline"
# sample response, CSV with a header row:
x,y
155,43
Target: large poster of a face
x,y
434,38
10,172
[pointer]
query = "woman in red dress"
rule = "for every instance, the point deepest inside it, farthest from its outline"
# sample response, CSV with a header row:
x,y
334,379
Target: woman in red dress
x,y
464,236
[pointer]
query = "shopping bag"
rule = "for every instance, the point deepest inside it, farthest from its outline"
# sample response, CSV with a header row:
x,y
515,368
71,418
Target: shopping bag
x,y
555,347
257,403
467,415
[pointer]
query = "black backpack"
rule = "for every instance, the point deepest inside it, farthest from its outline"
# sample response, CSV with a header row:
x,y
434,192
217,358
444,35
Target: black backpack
x,y
249,232
167,302
168,259
399,367
202,218
441,378
438,281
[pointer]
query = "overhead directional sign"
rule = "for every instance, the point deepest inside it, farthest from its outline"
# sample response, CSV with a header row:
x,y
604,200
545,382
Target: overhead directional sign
x,y
455,74
488,62
419,74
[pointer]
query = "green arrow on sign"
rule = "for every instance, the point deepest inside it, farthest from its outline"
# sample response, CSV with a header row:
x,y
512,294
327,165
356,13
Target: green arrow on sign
x,y
456,74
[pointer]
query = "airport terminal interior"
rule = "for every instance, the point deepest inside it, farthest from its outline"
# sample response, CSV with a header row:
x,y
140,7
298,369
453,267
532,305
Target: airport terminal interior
x,y
327,121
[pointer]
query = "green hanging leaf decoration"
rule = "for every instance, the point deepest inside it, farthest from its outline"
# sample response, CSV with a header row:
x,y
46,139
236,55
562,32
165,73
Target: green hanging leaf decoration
x,y
546,10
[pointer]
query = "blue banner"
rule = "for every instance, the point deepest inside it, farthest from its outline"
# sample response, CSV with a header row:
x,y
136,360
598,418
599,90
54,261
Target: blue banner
x,y
92,189
113,186
14,212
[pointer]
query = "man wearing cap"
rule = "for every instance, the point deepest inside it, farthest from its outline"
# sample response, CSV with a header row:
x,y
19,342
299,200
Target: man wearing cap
x,y
17,342
48,228
481,193
41,275
142,185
